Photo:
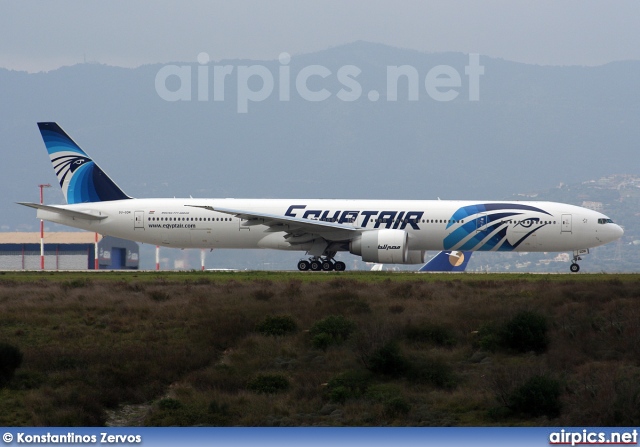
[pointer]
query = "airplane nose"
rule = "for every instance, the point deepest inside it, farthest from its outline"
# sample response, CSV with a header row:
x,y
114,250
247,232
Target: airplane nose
x,y
614,232
618,232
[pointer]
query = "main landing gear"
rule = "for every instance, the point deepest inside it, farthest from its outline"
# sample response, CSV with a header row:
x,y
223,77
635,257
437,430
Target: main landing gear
x,y
316,264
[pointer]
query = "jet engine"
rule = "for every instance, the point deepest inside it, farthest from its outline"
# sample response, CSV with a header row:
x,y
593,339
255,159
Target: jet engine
x,y
386,247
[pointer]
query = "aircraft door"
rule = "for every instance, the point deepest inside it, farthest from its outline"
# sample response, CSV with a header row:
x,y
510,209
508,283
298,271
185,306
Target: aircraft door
x,y
138,220
566,223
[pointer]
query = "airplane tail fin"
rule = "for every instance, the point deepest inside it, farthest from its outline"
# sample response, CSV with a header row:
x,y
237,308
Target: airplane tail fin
x,y
81,179
447,261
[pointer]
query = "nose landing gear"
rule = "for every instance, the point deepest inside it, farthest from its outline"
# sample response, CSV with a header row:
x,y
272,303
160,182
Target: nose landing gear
x,y
575,268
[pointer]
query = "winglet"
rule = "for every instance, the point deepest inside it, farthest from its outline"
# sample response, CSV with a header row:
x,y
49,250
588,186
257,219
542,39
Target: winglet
x,y
81,179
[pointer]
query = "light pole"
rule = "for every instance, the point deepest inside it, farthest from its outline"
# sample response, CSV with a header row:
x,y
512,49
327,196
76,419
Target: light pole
x,y
42,225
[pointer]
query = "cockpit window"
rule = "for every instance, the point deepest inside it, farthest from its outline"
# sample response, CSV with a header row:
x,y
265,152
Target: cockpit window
x,y
604,221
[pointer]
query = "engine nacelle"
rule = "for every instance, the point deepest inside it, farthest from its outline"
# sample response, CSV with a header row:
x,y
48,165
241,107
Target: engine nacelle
x,y
383,246
416,257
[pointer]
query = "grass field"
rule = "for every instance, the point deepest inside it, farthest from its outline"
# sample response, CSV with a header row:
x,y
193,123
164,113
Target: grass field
x,y
289,348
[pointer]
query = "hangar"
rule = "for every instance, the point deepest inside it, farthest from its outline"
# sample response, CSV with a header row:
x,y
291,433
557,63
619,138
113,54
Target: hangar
x,y
66,251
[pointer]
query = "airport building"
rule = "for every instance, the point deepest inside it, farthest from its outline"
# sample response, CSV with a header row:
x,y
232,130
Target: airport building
x,y
66,251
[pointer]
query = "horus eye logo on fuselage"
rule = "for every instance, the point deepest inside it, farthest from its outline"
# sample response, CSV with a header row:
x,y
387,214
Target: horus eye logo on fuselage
x,y
68,164
493,226
527,223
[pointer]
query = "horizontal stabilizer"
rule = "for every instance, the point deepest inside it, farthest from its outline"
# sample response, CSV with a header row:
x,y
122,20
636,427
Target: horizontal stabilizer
x,y
86,215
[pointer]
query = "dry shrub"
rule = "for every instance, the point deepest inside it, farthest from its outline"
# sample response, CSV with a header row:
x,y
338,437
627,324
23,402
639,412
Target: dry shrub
x,y
396,308
603,394
95,346
372,336
401,290
347,284
293,289
345,301
431,333
263,294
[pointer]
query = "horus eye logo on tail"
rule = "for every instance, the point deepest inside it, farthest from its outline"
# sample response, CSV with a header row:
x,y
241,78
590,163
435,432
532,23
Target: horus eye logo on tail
x,y
66,165
81,179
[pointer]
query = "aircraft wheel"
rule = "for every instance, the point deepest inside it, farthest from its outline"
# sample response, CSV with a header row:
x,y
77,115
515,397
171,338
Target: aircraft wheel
x,y
316,266
575,268
339,266
303,266
327,266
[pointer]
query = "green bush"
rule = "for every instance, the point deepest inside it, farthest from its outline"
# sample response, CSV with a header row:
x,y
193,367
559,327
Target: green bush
x,y
169,404
268,384
538,396
322,341
348,385
333,330
394,403
10,360
278,325
27,380
383,392
397,406
388,361
526,332
488,338
219,414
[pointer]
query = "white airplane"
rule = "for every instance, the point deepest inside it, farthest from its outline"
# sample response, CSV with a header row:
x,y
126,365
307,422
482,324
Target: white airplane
x,y
379,231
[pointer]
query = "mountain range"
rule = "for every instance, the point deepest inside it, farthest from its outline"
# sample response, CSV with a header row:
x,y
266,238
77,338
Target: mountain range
x,y
524,128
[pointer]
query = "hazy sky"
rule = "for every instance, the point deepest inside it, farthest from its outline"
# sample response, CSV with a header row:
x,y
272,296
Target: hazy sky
x,y
42,35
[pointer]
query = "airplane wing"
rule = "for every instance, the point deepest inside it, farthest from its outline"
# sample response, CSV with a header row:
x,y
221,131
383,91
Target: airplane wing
x,y
65,212
298,230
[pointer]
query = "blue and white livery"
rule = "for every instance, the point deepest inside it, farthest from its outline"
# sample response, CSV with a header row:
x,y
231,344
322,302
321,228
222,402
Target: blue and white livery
x,y
81,179
379,231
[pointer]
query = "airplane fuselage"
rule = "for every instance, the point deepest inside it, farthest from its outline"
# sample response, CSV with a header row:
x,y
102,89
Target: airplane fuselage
x,y
430,225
